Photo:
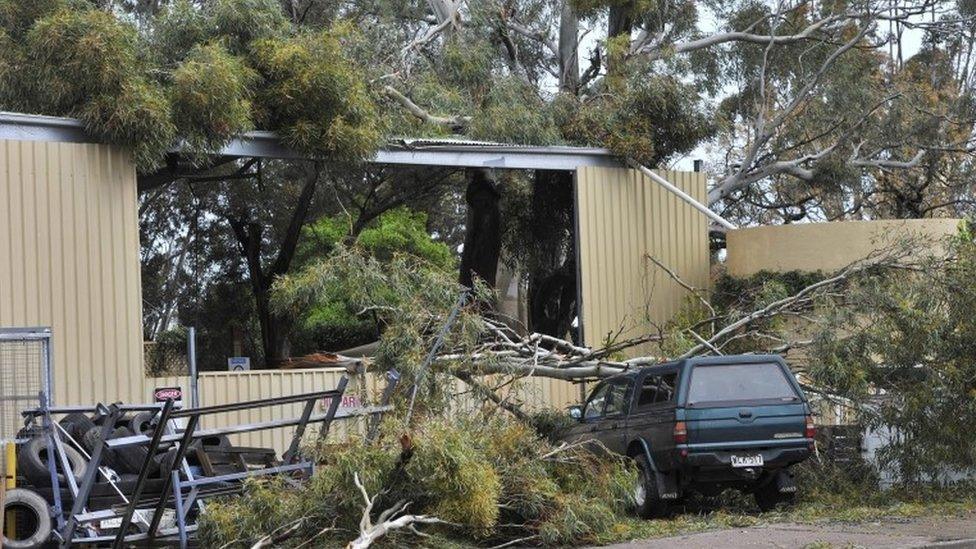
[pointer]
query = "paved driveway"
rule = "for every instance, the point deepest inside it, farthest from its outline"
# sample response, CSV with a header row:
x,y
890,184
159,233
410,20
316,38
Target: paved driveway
x,y
892,533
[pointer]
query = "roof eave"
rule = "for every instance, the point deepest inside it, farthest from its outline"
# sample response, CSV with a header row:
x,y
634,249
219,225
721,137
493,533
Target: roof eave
x,y
404,152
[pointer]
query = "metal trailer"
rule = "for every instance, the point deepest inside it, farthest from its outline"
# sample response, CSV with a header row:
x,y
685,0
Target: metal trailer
x,y
184,494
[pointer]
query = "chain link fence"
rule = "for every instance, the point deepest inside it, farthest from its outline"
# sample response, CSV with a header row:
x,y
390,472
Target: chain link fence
x,y
167,355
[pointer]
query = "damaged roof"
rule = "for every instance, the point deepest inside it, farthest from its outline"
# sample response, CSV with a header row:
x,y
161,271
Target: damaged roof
x,y
403,151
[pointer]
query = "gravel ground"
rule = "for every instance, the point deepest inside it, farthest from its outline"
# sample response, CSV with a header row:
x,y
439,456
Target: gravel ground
x,y
952,532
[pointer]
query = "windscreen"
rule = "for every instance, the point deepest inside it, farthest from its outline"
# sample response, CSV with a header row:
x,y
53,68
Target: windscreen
x,y
732,382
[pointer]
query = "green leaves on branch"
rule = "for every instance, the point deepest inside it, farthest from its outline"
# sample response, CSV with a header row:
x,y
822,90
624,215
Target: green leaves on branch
x,y
492,479
646,118
211,96
315,97
196,77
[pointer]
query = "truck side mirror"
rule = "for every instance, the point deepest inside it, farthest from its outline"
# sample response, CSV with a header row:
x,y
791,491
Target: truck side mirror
x,y
576,412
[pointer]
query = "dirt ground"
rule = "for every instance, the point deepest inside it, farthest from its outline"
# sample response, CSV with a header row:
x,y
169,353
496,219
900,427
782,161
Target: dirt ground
x,y
958,531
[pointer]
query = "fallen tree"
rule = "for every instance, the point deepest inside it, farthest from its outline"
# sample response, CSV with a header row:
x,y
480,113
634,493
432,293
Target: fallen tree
x,y
490,477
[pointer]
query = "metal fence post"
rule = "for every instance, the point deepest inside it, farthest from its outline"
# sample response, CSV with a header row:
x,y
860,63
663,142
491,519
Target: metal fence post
x,y
191,354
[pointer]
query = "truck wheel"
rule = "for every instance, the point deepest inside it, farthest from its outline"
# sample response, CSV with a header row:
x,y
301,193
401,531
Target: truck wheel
x,y
32,460
132,458
141,424
76,424
646,501
33,519
769,498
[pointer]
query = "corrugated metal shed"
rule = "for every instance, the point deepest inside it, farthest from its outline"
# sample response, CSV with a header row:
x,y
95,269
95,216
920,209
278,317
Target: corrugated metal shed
x,y
623,218
69,259
69,254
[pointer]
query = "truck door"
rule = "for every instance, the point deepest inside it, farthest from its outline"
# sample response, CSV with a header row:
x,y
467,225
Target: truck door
x,y
653,416
603,416
611,429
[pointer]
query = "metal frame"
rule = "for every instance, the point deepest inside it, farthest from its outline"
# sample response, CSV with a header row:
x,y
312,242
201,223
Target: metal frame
x,y
403,152
184,491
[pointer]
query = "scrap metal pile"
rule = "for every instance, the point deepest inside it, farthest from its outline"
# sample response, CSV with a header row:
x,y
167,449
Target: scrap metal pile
x,y
120,474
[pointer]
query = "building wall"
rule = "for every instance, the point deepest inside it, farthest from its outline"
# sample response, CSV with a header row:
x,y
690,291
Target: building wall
x,y
822,246
69,259
623,219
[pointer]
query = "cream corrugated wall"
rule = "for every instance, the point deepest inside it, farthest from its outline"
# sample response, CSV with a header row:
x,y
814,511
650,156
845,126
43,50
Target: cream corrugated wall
x,y
69,259
623,217
228,387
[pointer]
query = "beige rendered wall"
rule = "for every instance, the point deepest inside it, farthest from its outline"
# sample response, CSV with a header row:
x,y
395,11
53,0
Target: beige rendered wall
x,y
69,259
623,219
822,246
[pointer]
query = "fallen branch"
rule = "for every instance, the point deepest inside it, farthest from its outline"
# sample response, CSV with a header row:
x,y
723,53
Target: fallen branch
x,y
387,521
453,122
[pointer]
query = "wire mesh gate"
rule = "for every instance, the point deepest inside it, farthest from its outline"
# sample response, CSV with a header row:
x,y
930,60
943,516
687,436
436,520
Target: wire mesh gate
x,y
25,373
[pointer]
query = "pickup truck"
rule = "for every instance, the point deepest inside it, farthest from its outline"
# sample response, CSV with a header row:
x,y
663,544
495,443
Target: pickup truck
x,y
702,425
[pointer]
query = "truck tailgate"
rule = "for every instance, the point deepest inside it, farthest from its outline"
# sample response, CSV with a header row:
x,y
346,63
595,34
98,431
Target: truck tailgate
x,y
738,424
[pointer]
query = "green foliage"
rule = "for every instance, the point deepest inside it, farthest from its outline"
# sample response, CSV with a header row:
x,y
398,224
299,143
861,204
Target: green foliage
x,y
75,54
315,95
456,476
211,97
648,118
513,112
404,231
176,30
243,22
408,296
494,479
137,114
336,322
198,75
903,348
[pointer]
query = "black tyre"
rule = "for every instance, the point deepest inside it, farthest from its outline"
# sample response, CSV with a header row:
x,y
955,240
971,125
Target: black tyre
x,y
166,461
32,459
32,516
141,424
89,441
647,503
76,425
769,498
132,458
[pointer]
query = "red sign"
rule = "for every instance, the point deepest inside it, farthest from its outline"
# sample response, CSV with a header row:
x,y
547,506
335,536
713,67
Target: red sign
x,y
162,394
348,401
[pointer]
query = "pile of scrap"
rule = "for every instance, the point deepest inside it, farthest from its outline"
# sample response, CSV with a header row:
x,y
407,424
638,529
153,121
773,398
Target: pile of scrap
x,y
121,474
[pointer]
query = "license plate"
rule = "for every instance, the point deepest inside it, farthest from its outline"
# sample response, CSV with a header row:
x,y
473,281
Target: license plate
x,y
747,461
108,524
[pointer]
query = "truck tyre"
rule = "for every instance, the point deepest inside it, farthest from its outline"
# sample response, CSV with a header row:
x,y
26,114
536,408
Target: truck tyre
x,y
769,498
108,455
131,458
76,424
33,519
647,503
32,462
141,424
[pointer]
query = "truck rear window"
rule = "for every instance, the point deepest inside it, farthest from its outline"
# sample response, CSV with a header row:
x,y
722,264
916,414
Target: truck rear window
x,y
738,382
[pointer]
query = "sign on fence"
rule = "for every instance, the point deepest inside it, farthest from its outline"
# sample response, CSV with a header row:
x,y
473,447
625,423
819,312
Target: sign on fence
x,y
239,364
162,394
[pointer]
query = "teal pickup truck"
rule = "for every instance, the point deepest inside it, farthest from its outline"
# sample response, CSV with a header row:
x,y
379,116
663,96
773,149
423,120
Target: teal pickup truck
x,y
703,425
